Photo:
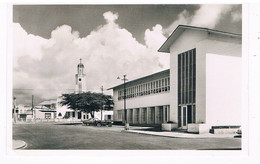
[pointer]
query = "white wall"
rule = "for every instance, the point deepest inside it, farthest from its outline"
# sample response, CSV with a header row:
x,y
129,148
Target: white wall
x,y
104,113
223,90
41,115
204,43
188,40
157,99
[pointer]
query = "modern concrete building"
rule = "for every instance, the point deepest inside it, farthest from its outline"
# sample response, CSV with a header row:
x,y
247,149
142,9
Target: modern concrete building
x,y
147,99
205,83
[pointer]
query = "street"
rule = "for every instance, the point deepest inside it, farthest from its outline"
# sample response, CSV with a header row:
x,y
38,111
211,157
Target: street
x,y
73,137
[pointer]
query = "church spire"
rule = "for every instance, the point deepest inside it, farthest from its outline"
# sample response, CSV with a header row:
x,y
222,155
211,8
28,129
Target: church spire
x,y
80,67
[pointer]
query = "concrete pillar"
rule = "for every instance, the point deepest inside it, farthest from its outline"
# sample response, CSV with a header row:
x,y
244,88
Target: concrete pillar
x,y
128,115
76,114
169,113
156,116
147,115
134,111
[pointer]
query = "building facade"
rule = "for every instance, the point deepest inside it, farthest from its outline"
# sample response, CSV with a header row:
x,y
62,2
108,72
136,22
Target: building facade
x,y
205,80
147,100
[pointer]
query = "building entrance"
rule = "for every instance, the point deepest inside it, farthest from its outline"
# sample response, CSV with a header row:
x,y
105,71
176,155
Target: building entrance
x,y
184,116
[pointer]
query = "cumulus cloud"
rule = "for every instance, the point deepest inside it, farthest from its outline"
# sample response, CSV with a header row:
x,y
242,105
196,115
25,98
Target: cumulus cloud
x,y
154,38
49,65
110,17
184,18
206,16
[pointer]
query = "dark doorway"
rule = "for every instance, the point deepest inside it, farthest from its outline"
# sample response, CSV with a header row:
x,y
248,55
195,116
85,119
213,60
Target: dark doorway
x,y
179,116
79,115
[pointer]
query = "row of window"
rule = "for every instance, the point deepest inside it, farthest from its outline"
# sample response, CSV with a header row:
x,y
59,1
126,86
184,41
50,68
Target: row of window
x,y
187,77
156,86
144,117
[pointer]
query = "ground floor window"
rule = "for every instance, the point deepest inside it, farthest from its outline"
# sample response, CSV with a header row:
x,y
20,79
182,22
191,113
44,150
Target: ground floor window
x,y
119,114
144,113
160,114
130,115
137,115
151,115
47,115
109,117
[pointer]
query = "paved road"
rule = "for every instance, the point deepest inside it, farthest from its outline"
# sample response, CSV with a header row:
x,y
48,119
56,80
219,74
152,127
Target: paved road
x,y
47,136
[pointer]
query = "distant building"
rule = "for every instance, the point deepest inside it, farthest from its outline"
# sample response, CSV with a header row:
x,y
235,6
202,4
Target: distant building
x,y
23,113
45,110
205,83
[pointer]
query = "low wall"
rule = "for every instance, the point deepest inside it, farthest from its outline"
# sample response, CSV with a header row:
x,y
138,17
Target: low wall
x,y
198,128
168,126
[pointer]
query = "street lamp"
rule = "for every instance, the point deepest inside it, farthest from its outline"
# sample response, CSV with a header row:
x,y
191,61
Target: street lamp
x,y
125,111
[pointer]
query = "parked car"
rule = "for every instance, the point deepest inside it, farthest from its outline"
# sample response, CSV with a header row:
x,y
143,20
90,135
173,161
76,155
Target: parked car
x,y
97,122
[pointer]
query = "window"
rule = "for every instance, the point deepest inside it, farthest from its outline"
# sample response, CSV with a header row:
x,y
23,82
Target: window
x,y
152,87
187,77
47,115
109,117
159,86
144,112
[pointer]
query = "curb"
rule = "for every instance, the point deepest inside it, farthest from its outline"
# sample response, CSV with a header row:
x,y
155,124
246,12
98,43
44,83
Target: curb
x,y
19,144
187,137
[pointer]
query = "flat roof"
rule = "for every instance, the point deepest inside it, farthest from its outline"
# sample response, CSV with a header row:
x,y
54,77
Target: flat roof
x,y
141,78
48,102
178,31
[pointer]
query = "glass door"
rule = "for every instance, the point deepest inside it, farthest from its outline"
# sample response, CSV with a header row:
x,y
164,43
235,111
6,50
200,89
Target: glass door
x,y
184,117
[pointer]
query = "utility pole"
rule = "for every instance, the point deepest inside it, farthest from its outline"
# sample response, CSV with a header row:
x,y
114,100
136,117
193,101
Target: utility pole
x,y
14,110
102,89
33,115
125,111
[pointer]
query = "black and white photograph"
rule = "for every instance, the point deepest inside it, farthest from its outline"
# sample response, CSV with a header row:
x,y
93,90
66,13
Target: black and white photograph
x,y
127,77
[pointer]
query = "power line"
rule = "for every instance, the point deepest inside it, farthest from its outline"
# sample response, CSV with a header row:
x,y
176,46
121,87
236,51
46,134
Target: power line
x,y
38,89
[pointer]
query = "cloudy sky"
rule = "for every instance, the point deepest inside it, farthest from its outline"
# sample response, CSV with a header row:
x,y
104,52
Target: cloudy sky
x,y
112,40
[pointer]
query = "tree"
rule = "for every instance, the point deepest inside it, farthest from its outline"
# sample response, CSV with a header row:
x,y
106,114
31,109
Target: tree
x,y
86,102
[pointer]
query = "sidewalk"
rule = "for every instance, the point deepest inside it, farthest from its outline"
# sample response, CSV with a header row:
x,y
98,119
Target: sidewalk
x,y
18,144
173,134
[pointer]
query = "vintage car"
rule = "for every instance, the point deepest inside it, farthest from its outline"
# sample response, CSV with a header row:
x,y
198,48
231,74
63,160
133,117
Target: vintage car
x,y
97,122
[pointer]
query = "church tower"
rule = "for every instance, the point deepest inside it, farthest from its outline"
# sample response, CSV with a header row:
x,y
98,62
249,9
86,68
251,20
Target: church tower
x,y
80,79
